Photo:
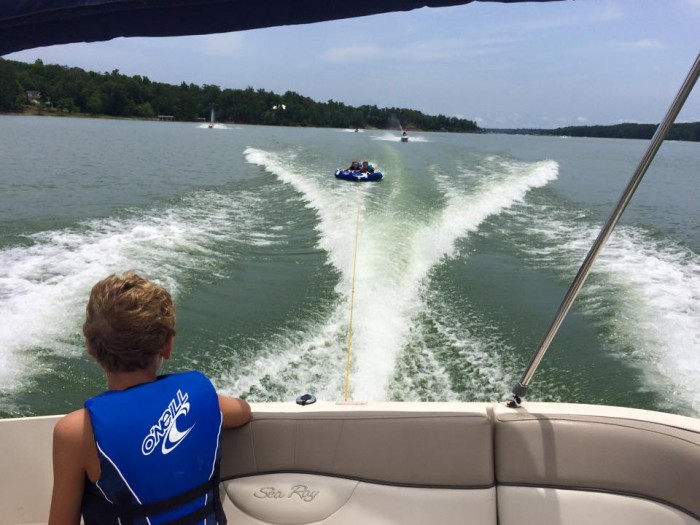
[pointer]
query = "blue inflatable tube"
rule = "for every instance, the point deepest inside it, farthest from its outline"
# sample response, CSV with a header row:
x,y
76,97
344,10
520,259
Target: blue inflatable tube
x,y
358,176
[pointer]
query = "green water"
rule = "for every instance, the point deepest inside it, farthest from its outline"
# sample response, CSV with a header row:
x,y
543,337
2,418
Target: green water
x,y
462,255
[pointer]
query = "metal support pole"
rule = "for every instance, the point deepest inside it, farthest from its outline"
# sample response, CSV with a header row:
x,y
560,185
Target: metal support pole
x,y
520,389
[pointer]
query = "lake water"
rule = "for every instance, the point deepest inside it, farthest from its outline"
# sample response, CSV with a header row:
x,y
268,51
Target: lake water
x,y
460,258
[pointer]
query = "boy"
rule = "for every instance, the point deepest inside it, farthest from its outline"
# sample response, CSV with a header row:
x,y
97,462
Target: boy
x,y
147,449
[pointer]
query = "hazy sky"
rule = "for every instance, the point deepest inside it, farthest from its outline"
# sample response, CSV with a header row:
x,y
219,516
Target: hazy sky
x,y
525,65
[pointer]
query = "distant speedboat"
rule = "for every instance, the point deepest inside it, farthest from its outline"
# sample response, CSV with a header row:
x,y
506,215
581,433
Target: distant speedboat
x,y
404,137
211,118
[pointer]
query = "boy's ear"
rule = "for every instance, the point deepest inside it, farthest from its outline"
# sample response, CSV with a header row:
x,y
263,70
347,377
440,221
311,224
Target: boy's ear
x,y
168,348
88,346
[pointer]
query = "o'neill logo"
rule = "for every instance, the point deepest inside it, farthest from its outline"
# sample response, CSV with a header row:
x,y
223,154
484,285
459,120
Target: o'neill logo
x,y
166,428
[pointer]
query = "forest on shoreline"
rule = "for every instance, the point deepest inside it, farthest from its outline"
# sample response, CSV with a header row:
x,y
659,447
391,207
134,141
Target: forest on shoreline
x,y
73,91
689,131
60,90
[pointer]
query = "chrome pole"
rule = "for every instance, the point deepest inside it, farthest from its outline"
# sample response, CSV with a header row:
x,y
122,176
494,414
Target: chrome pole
x,y
519,390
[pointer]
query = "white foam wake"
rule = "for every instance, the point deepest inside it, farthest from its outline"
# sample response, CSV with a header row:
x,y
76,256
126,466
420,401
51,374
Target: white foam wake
x,y
645,291
395,253
44,286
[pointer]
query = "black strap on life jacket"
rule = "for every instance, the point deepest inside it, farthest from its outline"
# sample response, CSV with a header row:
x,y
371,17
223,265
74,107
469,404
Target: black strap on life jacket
x,y
126,511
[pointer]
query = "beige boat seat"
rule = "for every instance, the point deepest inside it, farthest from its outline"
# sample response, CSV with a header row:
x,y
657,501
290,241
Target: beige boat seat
x,y
330,465
578,464
423,463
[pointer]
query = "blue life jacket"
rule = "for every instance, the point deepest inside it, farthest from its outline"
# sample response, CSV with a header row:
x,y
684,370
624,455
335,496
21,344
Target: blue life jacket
x,y
158,445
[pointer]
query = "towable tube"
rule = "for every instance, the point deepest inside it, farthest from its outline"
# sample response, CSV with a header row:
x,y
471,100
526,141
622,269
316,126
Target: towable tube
x,y
358,176
25,24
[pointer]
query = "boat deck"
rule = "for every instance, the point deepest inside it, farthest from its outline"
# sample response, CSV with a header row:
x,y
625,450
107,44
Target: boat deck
x,y
415,463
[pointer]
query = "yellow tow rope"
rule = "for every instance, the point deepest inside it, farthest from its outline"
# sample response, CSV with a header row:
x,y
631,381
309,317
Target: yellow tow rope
x,y
352,305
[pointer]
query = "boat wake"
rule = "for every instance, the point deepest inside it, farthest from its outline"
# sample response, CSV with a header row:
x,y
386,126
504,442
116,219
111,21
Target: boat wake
x,y
393,269
44,285
419,333
393,137
216,126
643,293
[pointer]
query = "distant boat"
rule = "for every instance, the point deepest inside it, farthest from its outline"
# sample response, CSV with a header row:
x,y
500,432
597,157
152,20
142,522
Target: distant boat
x,y
211,118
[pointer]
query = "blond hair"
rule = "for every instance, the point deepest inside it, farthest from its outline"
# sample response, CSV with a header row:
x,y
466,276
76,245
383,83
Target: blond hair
x,y
128,321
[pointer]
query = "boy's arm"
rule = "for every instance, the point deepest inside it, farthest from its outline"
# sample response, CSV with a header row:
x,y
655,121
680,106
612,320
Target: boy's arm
x,y
235,412
68,469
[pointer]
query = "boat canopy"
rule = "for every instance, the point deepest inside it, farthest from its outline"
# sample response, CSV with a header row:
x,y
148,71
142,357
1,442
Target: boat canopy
x,y
26,24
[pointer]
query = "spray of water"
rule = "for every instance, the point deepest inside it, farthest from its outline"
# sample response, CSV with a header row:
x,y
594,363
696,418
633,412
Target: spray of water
x,y
638,285
393,260
44,286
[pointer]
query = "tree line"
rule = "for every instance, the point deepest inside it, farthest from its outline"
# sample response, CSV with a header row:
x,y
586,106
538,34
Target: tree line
x,y
71,90
686,131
